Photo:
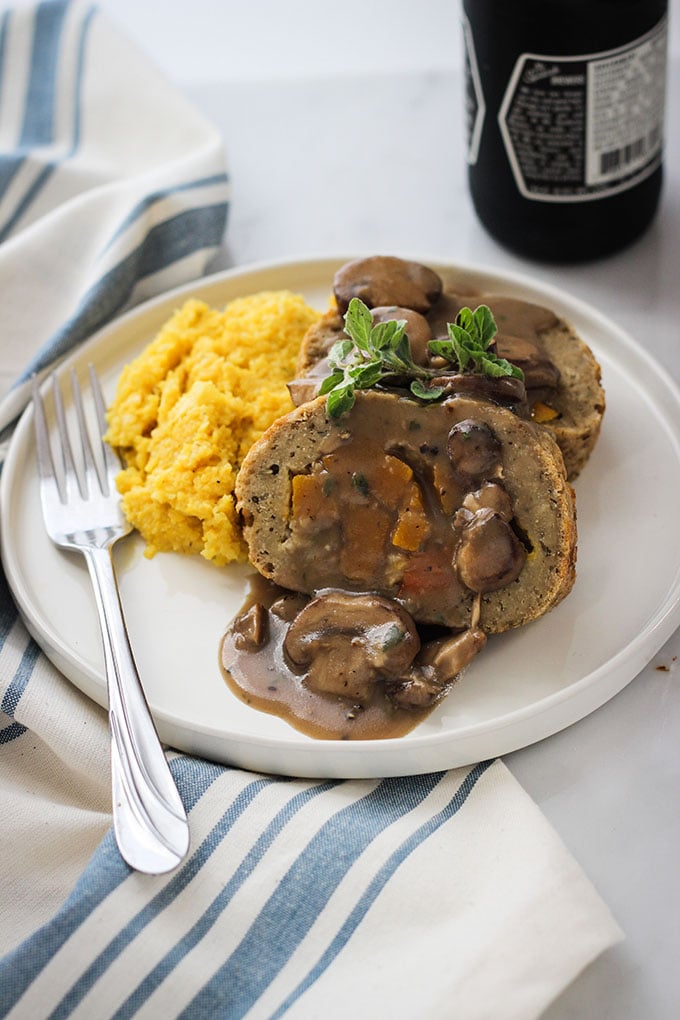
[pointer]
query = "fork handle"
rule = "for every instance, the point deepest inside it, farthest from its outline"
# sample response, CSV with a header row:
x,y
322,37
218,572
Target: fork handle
x,y
149,820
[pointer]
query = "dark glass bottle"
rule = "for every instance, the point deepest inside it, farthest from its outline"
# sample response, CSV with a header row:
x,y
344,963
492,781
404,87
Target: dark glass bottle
x,y
565,109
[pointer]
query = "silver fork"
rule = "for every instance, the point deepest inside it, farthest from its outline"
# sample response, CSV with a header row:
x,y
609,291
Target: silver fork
x,y
82,512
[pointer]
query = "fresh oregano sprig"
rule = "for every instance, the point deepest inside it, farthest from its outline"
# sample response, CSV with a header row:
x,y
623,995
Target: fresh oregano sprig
x,y
469,343
380,352
374,352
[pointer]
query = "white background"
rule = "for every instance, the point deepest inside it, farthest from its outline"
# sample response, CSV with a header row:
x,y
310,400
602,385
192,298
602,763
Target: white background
x,y
238,40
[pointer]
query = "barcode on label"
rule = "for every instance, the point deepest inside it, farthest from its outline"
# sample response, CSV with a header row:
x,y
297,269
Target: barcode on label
x,y
617,159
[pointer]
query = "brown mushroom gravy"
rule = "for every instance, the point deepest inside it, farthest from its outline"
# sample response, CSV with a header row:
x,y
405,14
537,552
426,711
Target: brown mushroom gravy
x,y
362,676
396,530
387,285
381,508
398,527
520,325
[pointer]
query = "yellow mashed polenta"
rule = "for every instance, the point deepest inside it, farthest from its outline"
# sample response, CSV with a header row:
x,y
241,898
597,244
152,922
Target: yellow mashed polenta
x,y
187,410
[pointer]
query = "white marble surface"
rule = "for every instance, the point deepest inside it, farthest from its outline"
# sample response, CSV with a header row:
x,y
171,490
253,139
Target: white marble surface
x,y
344,139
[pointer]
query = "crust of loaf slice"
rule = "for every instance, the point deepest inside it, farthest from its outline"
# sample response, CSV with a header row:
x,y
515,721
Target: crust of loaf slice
x,y
298,549
579,398
318,340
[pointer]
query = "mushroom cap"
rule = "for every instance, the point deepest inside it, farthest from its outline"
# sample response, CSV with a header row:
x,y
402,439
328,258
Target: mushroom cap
x,y
417,329
474,449
490,555
505,390
348,640
386,280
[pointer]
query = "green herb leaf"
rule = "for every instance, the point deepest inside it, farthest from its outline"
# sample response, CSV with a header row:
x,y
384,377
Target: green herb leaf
x,y
365,376
381,353
359,323
500,367
331,381
339,400
340,351
360,482
423,392
387,335
469,343
372,354
393,636
485,325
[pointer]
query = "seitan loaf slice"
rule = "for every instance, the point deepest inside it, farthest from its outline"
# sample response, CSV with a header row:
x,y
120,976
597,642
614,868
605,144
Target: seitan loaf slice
x,y
372,501
572,411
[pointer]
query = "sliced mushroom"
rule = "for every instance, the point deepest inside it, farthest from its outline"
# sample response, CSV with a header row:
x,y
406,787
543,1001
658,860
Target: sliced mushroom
x,y
288,606
473,449
446,310
417,329
438,664
304,389
493,496
505,390
420,688
250,628
539,371
489,555
450,656
385,280
346,642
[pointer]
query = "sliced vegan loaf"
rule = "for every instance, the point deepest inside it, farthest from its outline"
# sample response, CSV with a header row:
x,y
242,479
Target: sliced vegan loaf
x,y
563,378
458,510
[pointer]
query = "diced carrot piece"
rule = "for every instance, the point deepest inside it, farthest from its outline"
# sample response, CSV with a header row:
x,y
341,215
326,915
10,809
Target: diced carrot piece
x,y
390,480
542,413
310,498
365,531
413,526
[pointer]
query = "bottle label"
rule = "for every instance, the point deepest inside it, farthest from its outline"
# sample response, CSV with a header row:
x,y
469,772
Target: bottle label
x,y
579,128
475,107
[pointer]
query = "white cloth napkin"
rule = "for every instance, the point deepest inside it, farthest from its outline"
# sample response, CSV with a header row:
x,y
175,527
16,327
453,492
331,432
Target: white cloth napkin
x,y
112,187
427,896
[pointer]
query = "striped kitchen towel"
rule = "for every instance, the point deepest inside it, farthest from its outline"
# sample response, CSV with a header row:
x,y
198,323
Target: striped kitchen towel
x,y
112,186
429,896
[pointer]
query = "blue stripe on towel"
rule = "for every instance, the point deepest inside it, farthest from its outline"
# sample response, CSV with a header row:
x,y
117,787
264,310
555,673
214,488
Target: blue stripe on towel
x,y
158,196
8,609
104,873
8,617
180,880
19,681
207,920
11,732
380,881
302,895
179,236
22,675
38,123
38,128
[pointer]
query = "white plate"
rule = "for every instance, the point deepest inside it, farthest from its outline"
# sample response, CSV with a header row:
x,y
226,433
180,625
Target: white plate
x,y
525,686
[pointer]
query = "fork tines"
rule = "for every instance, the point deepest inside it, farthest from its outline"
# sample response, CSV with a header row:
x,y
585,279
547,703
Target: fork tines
x,y
97,465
